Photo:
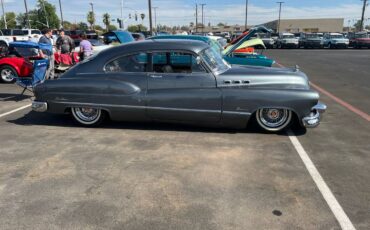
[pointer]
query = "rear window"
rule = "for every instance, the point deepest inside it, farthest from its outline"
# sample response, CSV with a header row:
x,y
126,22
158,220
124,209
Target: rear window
x,y
18,32
6,32
35,32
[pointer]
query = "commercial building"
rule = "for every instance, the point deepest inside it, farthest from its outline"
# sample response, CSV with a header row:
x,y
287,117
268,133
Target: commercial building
x,y
307,25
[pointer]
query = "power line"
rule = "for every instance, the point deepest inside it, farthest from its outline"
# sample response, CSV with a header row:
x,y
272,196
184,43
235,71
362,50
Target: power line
x,y
278,27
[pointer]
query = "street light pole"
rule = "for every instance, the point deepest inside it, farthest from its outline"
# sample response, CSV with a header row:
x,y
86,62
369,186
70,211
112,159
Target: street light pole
x,y
46,16
93,15
61,13
2,6
28,19
203,16
363,15
155,18
246,14
150,17
278,27
196,17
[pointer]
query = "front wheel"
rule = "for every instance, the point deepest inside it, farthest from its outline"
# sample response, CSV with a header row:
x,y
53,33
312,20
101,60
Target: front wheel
x,y
273,120
8,74
88,116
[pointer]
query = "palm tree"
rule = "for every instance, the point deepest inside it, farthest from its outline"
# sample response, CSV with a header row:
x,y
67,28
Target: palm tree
x,y
106,20
91,18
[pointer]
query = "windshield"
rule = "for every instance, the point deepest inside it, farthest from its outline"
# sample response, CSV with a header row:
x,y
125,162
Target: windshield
x,y
312,36
288,36
337,36
214,60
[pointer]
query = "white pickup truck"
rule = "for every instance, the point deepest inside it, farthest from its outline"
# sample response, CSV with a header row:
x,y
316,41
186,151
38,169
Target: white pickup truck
x,y
11,35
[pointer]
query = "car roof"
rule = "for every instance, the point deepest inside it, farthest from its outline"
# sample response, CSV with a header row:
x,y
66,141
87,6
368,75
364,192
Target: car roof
x,y
184,37
156,44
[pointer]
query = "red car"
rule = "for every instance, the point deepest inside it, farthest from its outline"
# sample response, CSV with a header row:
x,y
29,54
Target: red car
x,y
18,61
359,40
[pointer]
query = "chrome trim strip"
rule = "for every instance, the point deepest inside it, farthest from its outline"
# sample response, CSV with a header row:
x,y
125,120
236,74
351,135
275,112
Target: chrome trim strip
x,y
39,106
156,108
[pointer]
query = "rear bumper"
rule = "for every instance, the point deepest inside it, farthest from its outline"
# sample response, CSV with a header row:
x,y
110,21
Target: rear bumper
x,y
39,106
313,120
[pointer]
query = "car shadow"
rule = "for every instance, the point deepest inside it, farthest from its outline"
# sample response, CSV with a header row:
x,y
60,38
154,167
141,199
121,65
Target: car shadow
x,y
59,120
14,97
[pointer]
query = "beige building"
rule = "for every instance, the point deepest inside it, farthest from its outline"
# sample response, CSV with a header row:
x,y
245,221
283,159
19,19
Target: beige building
x,y
308,25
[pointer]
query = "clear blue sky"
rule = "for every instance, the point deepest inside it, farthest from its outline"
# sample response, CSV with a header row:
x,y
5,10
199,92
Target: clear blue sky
x,y
182,12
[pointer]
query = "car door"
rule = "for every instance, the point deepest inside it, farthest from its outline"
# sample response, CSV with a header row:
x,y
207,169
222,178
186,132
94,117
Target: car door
x,y
127,84
181,89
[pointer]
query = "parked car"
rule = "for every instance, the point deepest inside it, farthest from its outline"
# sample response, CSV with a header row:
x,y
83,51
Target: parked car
x,y
335,40
222,41
287,40
117,36
310,40
18,61
14,35
97,44
228,53
181,82
359,40
267,39
32,34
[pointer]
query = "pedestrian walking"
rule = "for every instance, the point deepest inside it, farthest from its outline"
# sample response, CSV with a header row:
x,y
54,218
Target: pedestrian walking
x,y
65,43
86,48
47,39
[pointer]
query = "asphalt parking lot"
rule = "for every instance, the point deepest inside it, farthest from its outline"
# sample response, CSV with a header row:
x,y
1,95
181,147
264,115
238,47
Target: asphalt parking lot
x,y
152,176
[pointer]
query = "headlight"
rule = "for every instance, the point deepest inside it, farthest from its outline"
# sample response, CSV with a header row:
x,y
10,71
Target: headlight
x,y
334,41
346,42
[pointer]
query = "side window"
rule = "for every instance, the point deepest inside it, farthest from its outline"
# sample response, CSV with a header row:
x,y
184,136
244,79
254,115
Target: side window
x,y
6,32
176,62
130,63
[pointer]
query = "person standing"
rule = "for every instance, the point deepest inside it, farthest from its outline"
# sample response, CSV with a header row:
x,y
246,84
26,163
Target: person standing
x,y
86,48
47,39
64,44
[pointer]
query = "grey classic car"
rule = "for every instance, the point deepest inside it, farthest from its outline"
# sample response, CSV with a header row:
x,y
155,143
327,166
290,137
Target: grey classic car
x,y
179,81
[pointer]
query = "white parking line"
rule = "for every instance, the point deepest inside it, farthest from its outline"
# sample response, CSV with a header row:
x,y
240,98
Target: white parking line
x,y
14,110
330,199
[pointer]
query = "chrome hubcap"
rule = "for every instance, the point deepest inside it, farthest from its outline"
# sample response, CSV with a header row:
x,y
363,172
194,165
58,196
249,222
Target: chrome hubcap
x,y
273,117
7,74
87,114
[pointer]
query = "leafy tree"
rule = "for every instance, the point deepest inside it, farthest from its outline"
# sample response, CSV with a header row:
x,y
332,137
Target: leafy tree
x,y
98,28
10,20
137,28
220,24
68,25
191,24
46,12
112,27
357,25
91,18
82,26
106,21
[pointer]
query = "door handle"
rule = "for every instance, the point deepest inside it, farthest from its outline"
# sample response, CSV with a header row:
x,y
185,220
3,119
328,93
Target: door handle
x,y
155,76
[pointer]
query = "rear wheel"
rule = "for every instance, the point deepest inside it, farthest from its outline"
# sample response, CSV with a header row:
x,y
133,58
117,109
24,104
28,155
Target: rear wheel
x,y
8,74
3,48
273,120
88,116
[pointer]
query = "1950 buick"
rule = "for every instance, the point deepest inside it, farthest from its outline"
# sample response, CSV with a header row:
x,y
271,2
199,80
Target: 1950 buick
x,y
179,81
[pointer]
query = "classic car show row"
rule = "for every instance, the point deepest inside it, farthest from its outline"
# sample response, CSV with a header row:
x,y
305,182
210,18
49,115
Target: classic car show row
x,y
186,132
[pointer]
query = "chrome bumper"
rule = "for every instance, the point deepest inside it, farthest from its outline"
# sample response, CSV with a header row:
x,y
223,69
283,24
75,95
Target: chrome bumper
x,y
313,120
39,106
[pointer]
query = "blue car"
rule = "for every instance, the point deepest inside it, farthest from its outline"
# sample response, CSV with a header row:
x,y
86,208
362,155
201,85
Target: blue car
x,y
119,36
229,55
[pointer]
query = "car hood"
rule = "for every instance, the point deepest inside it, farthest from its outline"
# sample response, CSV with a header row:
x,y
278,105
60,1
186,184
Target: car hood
x,y
263,77
252,32
340,39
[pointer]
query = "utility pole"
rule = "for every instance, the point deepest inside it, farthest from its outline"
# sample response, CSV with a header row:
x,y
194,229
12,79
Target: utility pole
x,y
278,27
46,16
61,13
2,6
155,18
363,15
246,14
196,17
27,16
93,15
121,24
203,16
150,17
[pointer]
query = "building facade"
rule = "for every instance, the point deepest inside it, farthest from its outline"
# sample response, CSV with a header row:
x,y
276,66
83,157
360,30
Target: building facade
x,y
307,25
